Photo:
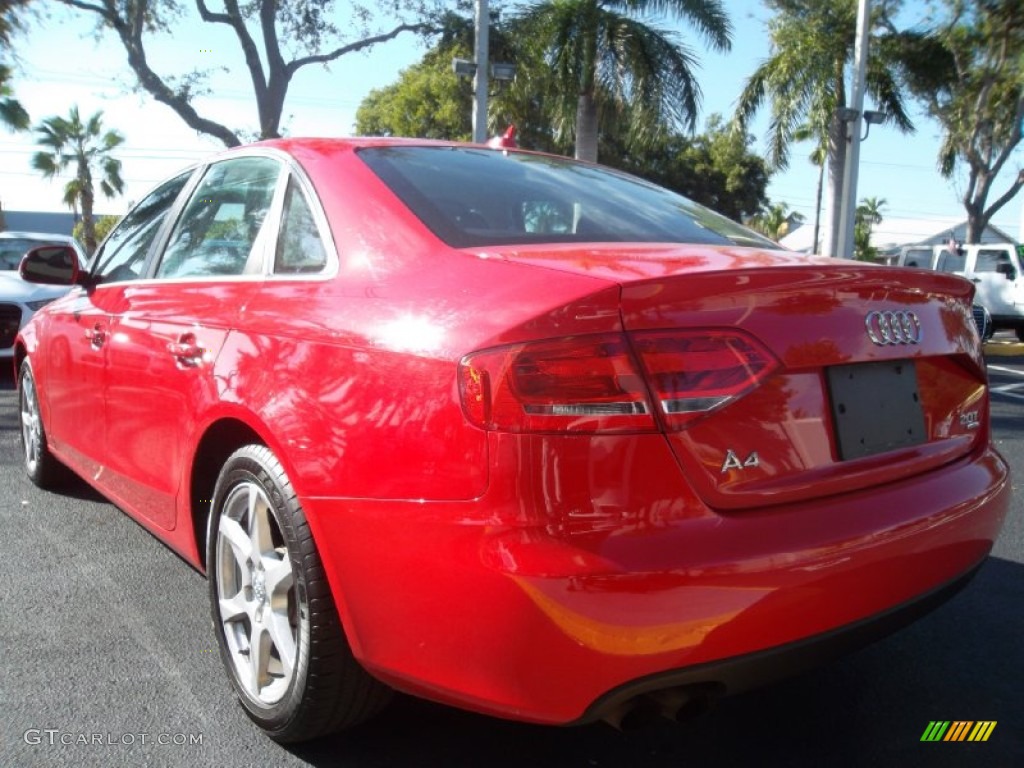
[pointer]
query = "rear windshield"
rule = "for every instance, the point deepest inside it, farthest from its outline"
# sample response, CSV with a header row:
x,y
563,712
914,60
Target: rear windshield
x,y
472,196
12,249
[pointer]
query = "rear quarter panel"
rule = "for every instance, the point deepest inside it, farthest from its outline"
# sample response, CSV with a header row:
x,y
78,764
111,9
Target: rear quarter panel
x,y
355,377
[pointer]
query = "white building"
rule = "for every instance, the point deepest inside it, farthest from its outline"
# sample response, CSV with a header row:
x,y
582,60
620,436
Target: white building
x,y
893,233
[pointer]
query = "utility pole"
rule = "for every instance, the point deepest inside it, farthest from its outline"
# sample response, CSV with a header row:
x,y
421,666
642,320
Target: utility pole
x,y
481,56
848,204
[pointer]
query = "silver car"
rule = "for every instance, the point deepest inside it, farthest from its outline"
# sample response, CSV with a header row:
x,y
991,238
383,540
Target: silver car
x,y
19,300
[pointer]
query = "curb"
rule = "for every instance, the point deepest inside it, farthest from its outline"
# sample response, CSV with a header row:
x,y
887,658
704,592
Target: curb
x,y
1004,348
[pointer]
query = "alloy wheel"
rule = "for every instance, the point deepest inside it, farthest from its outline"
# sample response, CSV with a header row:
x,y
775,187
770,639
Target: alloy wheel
x,y
31,426
256,595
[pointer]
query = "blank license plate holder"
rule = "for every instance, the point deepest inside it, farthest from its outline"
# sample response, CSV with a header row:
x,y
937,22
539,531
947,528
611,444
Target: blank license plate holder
x,y
876,407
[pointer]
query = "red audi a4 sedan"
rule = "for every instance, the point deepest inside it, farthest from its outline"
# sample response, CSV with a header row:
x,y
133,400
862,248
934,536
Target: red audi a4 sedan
x,y
510,432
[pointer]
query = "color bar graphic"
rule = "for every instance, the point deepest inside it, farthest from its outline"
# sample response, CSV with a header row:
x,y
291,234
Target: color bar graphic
x,y
958,730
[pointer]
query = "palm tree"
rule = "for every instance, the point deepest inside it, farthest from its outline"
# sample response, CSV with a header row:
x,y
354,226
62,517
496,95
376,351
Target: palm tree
x,y
870,209
772,221
610,65
869,213
818,156
83,145
12,114
804,79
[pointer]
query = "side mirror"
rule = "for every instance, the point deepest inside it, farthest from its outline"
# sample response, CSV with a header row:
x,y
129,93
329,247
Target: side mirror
x,y
1007,270
50,265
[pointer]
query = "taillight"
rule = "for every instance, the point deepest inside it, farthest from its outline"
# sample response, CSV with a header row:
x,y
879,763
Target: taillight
x,y
576,384
595,384
696,371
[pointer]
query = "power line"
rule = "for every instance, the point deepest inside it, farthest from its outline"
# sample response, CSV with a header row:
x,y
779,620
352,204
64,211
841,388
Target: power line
x,y
40,74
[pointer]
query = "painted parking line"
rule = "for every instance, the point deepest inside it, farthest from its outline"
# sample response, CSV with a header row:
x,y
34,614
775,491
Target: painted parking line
x,y
1002,369
1015,390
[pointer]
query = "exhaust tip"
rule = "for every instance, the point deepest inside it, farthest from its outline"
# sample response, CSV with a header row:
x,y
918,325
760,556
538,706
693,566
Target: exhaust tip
x,y
677,704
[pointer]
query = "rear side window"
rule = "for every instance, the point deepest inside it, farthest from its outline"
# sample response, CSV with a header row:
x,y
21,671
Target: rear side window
x,y
950,261
300,249
475,197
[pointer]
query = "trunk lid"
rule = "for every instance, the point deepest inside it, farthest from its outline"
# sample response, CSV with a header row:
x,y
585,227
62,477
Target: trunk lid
x,y
880,377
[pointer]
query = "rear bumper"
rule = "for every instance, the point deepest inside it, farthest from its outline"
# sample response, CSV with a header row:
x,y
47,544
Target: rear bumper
x,y
704,682
557,618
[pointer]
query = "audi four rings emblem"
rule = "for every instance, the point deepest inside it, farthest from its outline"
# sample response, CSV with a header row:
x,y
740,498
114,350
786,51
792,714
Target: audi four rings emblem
x,y
893,327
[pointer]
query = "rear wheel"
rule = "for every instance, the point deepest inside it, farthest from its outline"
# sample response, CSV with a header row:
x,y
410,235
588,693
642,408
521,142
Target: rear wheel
x,y
42,467
278,630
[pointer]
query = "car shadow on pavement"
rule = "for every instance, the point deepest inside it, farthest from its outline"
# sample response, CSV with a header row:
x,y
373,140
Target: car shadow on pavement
x,y
74,487
961,662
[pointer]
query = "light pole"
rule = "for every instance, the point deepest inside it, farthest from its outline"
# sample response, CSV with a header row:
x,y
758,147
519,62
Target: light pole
x,y
852,117
481,72
481,56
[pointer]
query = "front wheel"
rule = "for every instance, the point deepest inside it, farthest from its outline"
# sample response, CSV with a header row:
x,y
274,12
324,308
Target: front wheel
x,y
42,467
277,627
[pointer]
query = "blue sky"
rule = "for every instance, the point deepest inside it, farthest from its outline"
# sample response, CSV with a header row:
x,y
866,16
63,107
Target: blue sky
x,y
62,64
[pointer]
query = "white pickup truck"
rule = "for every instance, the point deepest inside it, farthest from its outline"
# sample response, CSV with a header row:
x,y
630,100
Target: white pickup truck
x,y
994,268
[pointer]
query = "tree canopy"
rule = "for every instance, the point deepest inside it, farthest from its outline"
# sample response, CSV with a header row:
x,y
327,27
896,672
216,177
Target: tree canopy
x,y
429,101
611,62
275,40
715,168
974,88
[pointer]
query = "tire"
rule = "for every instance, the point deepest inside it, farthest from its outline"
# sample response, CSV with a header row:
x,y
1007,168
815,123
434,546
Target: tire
x,y
1020,332
41,466
267,584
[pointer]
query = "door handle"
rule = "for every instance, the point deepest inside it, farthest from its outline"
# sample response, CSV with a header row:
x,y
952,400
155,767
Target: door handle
x,y
187,350
96,336
975,279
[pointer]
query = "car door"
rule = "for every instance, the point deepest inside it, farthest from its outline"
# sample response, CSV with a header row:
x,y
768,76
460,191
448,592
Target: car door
x,y
997,276
168,329
78,334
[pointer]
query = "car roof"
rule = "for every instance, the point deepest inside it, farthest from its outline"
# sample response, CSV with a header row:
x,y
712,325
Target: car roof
x,y
49,237
298,146
357,142
8,234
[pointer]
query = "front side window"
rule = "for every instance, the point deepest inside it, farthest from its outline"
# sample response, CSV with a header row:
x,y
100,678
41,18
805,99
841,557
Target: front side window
x,y
990,260
123,255
218,232
300,249
473,197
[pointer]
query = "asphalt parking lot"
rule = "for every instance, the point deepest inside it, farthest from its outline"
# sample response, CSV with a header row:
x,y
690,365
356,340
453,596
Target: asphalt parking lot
x,y
106,639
